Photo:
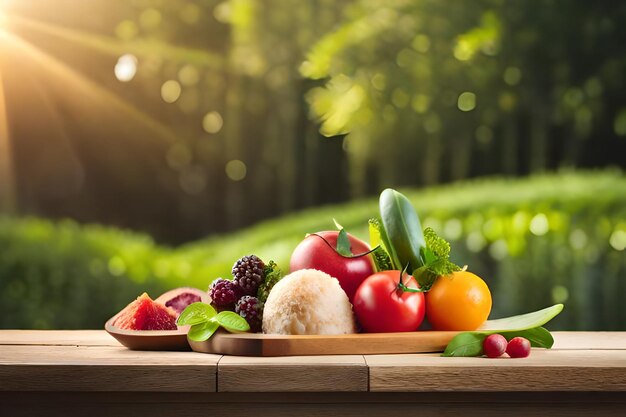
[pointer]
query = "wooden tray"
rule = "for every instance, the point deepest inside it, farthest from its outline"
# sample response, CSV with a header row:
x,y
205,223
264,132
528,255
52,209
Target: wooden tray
x,y
257,344
149,339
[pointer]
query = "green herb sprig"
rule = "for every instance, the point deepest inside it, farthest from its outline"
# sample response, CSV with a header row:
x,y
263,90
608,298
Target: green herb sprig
x,y
205,321
436,258
272,274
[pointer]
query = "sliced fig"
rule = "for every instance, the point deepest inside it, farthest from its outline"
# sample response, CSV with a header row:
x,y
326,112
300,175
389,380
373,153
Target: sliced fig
x,y
179,298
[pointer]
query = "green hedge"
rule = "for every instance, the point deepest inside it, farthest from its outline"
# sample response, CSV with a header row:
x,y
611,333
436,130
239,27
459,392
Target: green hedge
x,y
536,241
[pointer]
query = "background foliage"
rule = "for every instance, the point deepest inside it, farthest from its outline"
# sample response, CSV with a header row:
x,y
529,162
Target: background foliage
x,y
536,241
220,126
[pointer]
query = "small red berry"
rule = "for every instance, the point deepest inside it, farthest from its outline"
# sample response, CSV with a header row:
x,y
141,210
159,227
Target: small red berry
x,y
518,347
494,345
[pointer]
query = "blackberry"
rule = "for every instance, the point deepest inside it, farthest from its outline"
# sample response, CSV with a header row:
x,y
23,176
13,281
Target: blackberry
x,y
251,309
248,274
224,293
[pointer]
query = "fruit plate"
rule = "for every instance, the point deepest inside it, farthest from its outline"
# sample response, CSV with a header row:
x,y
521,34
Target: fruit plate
x,y
257,344
149,339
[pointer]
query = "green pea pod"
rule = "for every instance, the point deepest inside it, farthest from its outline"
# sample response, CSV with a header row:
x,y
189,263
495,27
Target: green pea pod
x,y
402,228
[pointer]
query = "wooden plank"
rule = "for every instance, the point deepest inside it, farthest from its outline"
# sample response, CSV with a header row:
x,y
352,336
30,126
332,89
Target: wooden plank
x,y
71,368
360,404
589,340
544,370
255,344
292,374
57,337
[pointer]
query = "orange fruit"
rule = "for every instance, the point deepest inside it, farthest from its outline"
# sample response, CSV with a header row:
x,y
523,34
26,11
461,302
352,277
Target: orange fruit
x,y
459,301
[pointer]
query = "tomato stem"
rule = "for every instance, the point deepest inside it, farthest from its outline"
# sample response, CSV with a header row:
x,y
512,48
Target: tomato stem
x,y
403,288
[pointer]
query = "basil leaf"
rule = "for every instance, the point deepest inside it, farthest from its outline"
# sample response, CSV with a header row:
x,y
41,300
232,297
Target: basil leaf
x,y
538,337
466,344
343,244
403,229
195,313
232,322
202,331
523,321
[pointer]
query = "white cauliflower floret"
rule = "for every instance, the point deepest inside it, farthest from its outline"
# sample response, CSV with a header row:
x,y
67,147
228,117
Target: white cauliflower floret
x,y
308,302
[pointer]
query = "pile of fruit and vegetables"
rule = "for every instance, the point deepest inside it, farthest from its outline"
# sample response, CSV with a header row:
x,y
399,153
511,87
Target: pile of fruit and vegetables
x,y
403,281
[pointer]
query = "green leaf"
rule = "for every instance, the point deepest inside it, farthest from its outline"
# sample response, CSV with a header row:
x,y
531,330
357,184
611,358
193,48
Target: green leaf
x,y
195,313
538,337
471,343
232,322
523,321
380,254
202,331
343,244
466,344
525,325
403,229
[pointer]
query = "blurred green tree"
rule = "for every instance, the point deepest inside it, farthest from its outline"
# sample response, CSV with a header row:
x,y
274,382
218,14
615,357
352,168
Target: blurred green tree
x,y
432,91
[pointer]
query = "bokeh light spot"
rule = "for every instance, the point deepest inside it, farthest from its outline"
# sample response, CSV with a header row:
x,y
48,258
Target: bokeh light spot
x,y
421,43
193,180
236,170
170,91
619,125
453,229
466,101
126,68
560,294
618,240
188,76
223,12
420,103
150,18
578,239
539,225
499,250
512,76
116,266
126,30
379,81
484,134
432,124
212,122
400,98
190,14
475,242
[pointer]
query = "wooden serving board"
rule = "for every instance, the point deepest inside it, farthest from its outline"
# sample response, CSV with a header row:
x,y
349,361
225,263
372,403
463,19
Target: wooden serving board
x,y
257,344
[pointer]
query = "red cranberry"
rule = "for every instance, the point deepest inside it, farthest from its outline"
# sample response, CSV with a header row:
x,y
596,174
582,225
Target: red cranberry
x,y
494,345
518,347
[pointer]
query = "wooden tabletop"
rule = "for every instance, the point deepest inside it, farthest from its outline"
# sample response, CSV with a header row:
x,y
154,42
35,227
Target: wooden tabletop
x,y
93,361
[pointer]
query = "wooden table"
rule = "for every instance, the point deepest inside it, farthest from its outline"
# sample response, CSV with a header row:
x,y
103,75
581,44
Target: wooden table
x,y
51,373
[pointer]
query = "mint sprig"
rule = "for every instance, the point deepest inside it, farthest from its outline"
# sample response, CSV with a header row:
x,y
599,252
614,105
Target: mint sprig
x,y
205,321
272,274
436,258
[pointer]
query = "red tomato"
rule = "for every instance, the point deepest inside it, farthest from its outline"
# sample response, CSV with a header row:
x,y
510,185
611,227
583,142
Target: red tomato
x,y
381,307
317,251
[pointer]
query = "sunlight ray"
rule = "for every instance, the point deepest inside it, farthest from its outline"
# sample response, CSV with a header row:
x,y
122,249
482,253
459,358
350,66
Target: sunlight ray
x,y
73,80
7,184
71,170
112,46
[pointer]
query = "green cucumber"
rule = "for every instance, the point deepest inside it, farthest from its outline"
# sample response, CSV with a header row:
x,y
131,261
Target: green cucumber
x,y
403,230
